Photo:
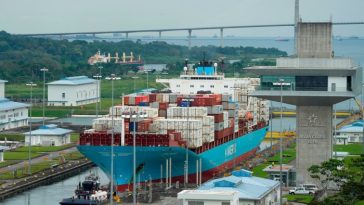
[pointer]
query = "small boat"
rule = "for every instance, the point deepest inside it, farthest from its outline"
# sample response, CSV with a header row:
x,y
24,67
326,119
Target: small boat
x,y
88,192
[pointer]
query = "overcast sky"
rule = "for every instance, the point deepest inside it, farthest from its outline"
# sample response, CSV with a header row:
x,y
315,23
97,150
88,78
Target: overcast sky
x,y
42,16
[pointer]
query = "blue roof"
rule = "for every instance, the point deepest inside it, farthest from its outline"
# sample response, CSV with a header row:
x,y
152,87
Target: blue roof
x,y
248,186
76,80
356,126
6,104
50,129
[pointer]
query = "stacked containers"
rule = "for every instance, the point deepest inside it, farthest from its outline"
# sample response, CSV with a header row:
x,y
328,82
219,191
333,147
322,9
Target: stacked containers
x,y
105,123
198,113
191,130
118,110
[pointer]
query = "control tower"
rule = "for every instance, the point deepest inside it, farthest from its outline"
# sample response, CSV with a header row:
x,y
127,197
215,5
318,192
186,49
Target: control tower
x,y
314,80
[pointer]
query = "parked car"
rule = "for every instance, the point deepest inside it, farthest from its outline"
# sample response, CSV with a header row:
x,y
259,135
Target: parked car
x,y
310,187
301,190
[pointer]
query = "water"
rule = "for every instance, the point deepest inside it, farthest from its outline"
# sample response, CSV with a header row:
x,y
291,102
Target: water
x,y
75,120
54,193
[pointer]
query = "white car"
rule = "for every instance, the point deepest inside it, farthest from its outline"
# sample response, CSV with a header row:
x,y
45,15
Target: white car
x,y
310,187
301,190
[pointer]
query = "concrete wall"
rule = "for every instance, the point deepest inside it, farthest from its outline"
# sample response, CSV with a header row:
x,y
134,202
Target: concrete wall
x,y
314,139
13,118
340,84
2,89
74,95
314,40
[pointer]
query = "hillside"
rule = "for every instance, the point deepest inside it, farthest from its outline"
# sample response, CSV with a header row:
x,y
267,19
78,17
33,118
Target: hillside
x,y
22,57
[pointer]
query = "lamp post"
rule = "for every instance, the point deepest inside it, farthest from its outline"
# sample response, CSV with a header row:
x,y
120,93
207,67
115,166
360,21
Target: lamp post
x,y
362,112
44,70
98,94
31,85
112,78
134,77
280,144
134,117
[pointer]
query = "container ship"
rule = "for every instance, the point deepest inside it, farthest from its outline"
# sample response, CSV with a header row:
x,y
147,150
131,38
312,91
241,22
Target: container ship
x,y
185,136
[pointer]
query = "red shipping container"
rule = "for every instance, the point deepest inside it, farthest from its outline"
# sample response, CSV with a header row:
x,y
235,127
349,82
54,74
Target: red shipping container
x,y
152,97
163,106
217,97
126,100
141,98
218,117
219,134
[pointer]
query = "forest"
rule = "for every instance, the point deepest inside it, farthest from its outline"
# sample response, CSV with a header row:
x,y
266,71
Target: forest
x,y
22,57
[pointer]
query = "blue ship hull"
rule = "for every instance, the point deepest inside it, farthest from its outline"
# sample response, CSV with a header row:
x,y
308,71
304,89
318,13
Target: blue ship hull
x,y
151,161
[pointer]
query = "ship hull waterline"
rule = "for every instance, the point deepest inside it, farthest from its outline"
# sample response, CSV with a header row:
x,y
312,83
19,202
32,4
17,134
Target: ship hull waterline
x,y
151,161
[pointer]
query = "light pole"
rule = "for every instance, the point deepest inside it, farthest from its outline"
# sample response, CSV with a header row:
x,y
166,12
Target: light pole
x,y
280,144
188,138
112,78
100,67
362,112
98,98
134,117
44,70
31,85
134,77
271,126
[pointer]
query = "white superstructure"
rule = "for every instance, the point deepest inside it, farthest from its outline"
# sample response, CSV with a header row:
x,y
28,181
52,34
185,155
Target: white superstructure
x,y
206,78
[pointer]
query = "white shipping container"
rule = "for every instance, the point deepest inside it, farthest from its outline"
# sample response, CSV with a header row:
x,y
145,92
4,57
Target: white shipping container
x,y
215,109
207,120
226,115
219,126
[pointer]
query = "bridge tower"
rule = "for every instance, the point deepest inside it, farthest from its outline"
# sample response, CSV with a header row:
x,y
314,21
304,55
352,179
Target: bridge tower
x,y
314,80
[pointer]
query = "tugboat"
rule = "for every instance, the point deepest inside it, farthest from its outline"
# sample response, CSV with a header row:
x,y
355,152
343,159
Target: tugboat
x,y
88,192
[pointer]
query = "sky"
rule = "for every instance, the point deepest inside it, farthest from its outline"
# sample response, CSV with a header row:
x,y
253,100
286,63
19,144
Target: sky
x,y
44,16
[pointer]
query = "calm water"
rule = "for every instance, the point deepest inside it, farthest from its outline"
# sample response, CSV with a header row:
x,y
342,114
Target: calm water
x,y
52,194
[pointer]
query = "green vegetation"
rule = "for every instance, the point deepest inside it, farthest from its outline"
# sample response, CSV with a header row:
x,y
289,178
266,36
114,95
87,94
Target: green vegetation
x,y
347,174
23,172
353,149
360,202
306,199
22,57
7,163
40,149
73,156
19,155
12,137
75,137
288,154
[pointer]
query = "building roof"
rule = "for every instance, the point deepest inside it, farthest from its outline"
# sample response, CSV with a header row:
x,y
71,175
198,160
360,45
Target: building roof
x,y
50,129
6,104
355,127
276,168
248,186
3,81
76,80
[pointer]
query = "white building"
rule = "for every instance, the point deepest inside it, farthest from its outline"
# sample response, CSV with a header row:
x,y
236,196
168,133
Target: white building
x,y
250,190
209,197
73,91
12,114
352,133
49,135
2,88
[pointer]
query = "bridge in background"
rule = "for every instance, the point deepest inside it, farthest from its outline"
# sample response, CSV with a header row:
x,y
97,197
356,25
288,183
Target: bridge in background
x,y
159,31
